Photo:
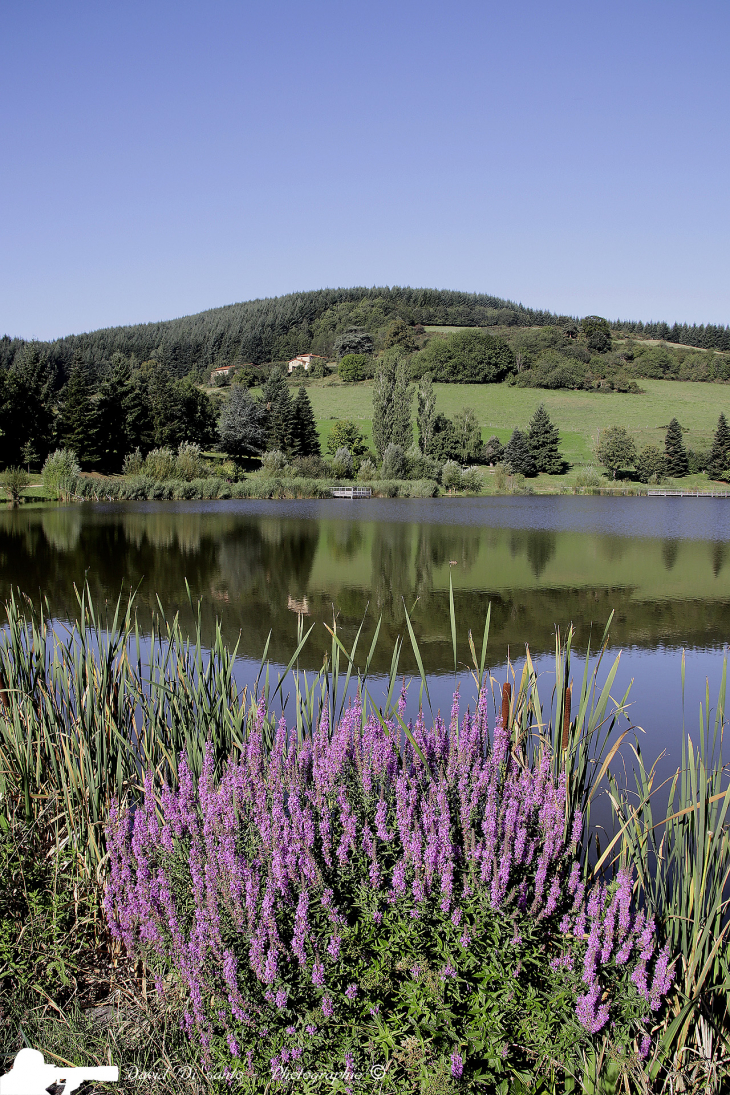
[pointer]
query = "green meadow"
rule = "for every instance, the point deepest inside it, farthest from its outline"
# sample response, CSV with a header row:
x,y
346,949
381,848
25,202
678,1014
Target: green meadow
x,y
580,416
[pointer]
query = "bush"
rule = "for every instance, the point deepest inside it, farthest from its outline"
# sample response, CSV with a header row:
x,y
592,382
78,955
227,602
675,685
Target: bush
x,y
395,465
466,357
346,435
189,463
342,466
160,464
697,461
311,898
133,463
367,469
273,463
589,479
471,480
15,480
420,466
60,472
310,467
451,475
353,367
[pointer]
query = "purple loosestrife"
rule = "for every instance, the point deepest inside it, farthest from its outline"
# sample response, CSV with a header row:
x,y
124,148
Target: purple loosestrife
x,y
248,886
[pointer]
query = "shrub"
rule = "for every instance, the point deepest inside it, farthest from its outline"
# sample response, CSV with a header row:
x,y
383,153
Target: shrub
x,y
353,367
395,465
229,469
588,479
367,470
273,463
15,480
310,898
342,467
160,464
133,463
310,467
60,472
346,434
420,466
189,463
451,475
471,480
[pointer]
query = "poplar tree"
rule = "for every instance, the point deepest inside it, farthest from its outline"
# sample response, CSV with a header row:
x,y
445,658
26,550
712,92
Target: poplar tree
x,y
425,411
305,439
675,453
719,459
392,399
545,443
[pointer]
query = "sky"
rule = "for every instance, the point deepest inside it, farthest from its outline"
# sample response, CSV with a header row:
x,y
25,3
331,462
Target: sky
x,y
160,158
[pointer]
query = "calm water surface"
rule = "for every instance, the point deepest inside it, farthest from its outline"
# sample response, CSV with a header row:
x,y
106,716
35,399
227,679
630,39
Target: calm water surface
x,y
663,566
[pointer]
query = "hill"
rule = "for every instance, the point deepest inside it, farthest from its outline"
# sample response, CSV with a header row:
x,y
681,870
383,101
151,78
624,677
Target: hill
x,y
276,328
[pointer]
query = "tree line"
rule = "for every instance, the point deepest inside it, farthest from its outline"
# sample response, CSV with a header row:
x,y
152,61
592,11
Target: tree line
x,y
277,328
618,453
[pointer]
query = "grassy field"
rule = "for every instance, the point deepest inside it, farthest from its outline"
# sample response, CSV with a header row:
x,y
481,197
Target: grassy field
x,y
579,416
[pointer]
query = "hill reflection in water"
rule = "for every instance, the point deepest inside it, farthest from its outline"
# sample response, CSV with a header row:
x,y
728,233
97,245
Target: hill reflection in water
x,y
663,568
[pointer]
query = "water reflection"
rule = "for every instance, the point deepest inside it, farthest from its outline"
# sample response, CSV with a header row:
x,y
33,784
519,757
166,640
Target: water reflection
x,y
256,567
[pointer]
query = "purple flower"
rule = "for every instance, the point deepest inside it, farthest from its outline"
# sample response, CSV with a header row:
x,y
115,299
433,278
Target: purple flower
x,y
351,992
327,1007
457,1066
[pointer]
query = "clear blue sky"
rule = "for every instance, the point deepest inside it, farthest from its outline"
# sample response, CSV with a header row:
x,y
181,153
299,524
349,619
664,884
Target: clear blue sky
x,y
161,158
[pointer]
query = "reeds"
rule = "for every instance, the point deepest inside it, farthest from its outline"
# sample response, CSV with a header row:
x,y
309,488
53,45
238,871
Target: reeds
x,y
87,710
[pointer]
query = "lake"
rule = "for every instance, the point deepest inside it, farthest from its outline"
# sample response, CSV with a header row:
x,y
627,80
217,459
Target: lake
x,y
661,564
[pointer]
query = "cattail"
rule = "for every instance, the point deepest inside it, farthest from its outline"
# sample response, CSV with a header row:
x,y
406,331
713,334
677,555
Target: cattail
x,y
566,716
506,696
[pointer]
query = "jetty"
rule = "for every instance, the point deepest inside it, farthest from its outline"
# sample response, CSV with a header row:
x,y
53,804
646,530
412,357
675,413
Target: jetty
x,y
688,493
351,492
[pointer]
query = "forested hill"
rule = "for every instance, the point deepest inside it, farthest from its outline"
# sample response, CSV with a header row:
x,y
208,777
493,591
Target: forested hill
x,y
275,329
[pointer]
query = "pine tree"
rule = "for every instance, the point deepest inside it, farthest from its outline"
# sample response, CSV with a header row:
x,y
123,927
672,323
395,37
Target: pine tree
x,y
674,451
241,425
518,455
719,458
545,443
305,439
112,441
77,420
279,413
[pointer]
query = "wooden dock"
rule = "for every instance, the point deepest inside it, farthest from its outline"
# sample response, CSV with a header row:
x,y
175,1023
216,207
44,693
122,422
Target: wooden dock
x,y
351,492
688,493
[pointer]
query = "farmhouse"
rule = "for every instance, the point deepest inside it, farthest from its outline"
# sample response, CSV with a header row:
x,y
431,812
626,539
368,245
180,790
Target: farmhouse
x,y
224,370
305,360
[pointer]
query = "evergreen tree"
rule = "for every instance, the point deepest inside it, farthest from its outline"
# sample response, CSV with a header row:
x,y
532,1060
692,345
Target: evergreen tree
x,y
167,408
305,439
139,426
426,411
719,458
242,426
26,412
545,443
518,454
112,442
675,453
279,414
77,424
